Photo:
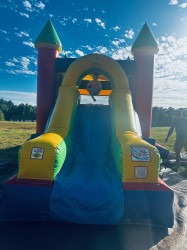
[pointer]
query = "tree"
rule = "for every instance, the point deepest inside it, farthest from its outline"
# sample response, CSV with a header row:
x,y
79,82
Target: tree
x,y
2,118
21,112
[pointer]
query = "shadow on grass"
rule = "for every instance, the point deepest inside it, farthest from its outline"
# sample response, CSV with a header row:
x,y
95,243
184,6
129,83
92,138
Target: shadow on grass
x,y
8,162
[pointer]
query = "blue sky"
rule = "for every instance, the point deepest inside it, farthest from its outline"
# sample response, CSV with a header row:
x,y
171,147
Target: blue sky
x,y
84,27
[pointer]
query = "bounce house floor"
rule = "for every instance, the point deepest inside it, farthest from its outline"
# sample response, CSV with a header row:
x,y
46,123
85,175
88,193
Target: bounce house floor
x,y
55,235
30,200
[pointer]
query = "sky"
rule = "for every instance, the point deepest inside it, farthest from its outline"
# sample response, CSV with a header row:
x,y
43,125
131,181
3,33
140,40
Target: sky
x,y
87,26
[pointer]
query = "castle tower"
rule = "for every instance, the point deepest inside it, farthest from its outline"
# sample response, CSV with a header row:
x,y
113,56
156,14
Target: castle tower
x,y
143,50
48,45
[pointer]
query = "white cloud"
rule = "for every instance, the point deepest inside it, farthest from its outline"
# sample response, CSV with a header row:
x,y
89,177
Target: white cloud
x,y
170,75
176,2
10,64
87,20
101,50
21,65
27,5
3,31
25,62
79,52
97,49
115,42
121,53
169,93
163,39
19,97
100,23
64,20
69,53
129,34
183,5
116,28
24,14
170,78
121,40
30,44
74,20
40,5
22,33
154,24
88,47
173,2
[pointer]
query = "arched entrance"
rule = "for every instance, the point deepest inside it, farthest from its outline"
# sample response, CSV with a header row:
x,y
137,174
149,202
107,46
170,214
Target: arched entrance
x,y
67,98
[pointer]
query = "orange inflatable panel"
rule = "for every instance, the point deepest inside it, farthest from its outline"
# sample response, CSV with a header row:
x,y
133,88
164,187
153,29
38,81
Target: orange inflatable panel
x,y
102,92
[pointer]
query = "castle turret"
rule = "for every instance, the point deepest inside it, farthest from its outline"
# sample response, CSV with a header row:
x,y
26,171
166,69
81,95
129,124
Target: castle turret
x,y
48,45
143,49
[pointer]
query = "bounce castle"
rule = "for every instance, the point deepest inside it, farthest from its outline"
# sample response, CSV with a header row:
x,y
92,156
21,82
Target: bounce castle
x,y
90,163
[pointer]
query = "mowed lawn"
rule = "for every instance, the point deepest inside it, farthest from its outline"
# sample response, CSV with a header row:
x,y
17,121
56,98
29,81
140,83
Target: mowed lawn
x,y
14,134
159,133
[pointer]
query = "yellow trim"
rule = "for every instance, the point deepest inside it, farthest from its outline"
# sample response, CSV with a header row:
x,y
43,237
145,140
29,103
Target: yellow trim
x,y
62,114
127,136
39,168
95,61
90,78
48,45
129,140
148,51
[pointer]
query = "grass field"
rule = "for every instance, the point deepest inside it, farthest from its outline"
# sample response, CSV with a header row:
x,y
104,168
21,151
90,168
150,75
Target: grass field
x,y
14,134
159,133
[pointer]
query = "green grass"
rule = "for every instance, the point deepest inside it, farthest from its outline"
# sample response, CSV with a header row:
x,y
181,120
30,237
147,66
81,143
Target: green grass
x,y
14,134
159,133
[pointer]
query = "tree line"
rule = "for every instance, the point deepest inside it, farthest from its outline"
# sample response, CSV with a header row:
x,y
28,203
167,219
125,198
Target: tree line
x,y
21,112
161,117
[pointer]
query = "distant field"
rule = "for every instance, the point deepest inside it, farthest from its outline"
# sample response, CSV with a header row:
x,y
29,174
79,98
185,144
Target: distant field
x,y
15,133
160,133
12,135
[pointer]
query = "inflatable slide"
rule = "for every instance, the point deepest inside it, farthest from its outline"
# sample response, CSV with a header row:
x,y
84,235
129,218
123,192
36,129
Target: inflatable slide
x,y
90,166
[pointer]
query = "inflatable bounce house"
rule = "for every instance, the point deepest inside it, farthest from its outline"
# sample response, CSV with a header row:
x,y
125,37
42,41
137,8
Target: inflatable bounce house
x,y
91,163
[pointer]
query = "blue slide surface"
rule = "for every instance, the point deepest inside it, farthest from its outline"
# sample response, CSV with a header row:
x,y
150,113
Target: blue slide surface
x,y
88,189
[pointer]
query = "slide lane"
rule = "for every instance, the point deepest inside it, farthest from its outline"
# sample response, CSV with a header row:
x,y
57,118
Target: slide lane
x,y
89,188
